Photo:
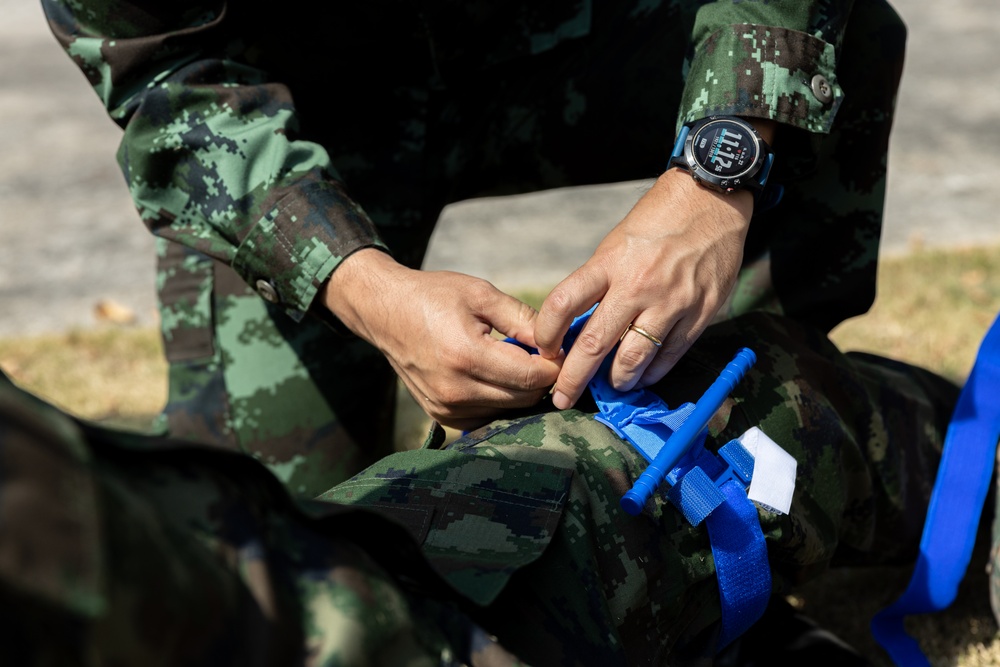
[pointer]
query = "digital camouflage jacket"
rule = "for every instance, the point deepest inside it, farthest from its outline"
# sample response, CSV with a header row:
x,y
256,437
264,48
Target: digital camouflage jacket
x,y
279,142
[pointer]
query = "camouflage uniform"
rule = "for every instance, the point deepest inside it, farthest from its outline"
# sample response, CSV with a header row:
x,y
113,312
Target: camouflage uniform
x,y
252,132
120,549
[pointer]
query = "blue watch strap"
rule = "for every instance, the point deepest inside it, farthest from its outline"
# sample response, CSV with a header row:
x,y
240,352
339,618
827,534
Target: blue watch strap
x,y
679,144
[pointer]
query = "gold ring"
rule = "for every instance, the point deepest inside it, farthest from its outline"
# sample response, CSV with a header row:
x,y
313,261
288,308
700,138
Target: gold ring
x,y
642,332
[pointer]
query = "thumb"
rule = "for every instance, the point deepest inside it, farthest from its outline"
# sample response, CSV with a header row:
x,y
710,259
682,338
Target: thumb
x,y
573,297
510,316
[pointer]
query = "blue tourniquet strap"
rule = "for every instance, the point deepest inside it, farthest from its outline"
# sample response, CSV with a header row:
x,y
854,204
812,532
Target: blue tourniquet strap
x,y
956,504
740,562
673,449
703,486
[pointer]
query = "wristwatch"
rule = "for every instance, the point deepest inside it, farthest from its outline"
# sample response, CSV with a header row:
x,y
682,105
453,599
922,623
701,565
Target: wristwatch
x,y
723,153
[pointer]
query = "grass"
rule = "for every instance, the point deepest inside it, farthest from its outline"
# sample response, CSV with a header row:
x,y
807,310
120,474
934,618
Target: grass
x,y
109,373
932,310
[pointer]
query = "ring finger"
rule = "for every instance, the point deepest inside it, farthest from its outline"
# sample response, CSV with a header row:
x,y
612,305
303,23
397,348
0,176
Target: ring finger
x,y
682,335
638,346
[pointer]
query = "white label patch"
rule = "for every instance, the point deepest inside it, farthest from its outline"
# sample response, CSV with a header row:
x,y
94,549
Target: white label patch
x,y
773,481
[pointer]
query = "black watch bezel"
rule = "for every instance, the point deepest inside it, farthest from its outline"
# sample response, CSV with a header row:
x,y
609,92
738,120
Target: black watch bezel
x,y
691,141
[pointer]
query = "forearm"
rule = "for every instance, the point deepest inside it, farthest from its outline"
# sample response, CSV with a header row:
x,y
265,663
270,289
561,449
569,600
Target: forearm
x,y
210,151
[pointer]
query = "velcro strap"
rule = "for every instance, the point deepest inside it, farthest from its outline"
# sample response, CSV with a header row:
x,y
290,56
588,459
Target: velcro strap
x,y
741,565
703,487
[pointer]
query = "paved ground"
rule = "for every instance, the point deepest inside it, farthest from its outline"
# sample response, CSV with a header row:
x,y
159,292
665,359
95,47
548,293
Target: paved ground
x,y
69,236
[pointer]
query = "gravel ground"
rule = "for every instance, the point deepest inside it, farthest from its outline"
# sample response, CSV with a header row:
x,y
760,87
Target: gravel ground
x,y
69,236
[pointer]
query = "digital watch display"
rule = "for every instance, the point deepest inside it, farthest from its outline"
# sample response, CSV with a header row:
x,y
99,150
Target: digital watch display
x,y
724,153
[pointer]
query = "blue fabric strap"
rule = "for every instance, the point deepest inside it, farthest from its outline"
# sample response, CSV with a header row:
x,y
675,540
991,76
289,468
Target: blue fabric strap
x,y
956,504
740,562
696,481
674,448
703,486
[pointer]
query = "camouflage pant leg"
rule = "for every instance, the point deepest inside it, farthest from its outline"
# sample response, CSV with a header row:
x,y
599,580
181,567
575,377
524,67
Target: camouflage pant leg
x,y
313,405
120,549
524,515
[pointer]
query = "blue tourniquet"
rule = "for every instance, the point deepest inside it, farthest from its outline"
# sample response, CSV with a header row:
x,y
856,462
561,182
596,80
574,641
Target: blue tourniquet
x,y
963,480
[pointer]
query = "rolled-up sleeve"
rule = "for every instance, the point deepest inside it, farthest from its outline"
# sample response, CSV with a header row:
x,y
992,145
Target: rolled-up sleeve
x,y
766,60
210,150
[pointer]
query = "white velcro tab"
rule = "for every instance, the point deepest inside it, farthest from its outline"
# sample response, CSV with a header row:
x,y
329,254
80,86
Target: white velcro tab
x,y
773,481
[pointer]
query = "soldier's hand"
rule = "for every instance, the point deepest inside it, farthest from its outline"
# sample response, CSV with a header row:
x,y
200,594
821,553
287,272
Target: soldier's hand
x,y
435,329
666,269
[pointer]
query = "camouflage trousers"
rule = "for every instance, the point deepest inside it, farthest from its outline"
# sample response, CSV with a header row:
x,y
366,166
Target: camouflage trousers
x,y
316,406
313,405
117,548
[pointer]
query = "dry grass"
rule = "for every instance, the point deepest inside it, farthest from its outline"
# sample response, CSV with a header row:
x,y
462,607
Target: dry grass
x,y
932,310
112,374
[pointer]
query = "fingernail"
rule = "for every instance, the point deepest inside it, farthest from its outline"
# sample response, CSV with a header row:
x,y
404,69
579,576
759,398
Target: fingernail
x,y
561,401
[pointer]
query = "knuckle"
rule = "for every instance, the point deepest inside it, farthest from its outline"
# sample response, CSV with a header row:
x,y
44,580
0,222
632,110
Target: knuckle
x,y
571,383
448,397
589,344
630,358
559,302
523,399
527,381
479,292
462,360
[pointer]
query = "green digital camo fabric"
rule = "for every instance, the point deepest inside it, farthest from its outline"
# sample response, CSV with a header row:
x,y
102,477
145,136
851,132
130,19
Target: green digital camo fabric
x,y
313,405
121,549
272,148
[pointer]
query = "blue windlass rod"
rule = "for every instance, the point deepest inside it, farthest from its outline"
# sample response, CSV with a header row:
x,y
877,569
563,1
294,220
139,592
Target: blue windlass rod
x,y
680,440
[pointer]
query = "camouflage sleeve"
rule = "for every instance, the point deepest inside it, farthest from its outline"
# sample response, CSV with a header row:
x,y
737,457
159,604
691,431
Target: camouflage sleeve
x,y
210,151
773,60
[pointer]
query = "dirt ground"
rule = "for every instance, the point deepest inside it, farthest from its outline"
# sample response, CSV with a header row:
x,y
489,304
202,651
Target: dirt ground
x,y
69,236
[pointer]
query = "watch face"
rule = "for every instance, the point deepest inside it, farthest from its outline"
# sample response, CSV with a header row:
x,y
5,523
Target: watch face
x,y
725,149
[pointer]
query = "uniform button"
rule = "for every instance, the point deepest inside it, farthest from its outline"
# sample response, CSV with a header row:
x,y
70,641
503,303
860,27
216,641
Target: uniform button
x,y
821,88
267,291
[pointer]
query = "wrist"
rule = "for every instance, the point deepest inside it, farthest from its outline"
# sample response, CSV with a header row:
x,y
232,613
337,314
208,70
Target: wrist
x,y
765,127
740,202
727,154
356,289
